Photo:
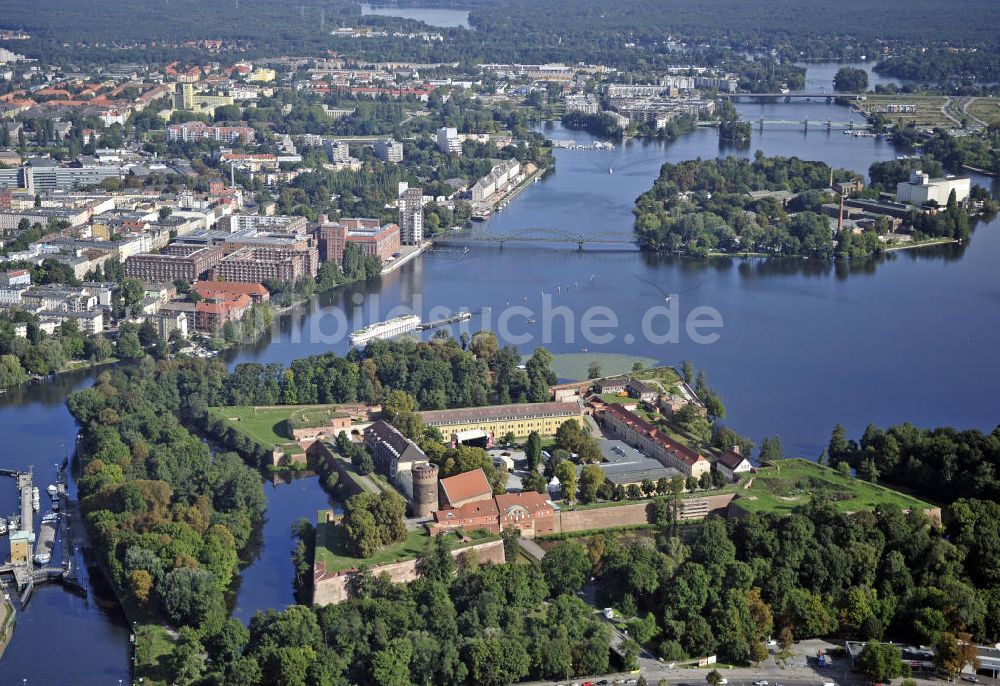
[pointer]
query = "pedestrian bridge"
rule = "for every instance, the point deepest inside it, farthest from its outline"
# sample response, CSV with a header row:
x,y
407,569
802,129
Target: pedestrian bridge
x,y
614,238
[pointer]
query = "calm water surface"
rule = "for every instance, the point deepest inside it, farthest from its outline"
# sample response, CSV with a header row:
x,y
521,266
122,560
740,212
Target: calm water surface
x,y
911,338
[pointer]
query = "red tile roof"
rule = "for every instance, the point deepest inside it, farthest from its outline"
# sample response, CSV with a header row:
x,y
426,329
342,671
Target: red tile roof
x,y
465,486
210,289
640,425
531,501
479,508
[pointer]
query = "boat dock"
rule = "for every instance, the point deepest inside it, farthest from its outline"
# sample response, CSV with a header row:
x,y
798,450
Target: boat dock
x,y
460,317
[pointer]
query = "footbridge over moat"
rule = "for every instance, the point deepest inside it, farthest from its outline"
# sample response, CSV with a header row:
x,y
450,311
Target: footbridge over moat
x,y
614,239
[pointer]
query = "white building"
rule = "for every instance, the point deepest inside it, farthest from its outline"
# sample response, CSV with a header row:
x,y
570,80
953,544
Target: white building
x,y
448,140
337,151
411,215
731,463
15,277
921,189
388,150
10,295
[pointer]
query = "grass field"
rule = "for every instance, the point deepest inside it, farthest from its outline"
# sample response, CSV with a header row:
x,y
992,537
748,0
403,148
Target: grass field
x,y
791,483
269,425
987,109
574,366
153,646
928,109
331,550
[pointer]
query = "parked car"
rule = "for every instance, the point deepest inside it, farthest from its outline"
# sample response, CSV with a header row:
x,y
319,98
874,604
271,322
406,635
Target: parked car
x,y
760,683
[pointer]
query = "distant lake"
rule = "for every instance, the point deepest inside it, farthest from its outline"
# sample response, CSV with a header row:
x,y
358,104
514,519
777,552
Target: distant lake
x,y
443,18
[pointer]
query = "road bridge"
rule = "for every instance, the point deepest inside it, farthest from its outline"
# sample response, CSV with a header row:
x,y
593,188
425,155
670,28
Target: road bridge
x,y
610,239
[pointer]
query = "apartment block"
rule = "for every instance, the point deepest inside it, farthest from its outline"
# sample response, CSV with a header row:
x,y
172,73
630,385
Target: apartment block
x,y
186,262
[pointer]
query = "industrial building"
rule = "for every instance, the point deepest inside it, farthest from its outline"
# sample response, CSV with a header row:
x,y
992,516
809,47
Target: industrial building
x,y
922,189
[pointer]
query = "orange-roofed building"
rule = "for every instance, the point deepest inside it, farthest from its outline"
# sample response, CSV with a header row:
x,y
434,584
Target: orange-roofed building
x,y
467,487
211,316
482,514
231,290
533,513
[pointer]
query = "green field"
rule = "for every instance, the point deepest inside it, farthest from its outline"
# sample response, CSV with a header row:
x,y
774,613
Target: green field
x,y
153,647
269,425
574,366
331,551
928,109
791,483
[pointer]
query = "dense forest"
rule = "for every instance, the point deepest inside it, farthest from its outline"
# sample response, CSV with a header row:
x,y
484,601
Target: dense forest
x,y
515,30
168,516
941,464
488,625
701,206
814,573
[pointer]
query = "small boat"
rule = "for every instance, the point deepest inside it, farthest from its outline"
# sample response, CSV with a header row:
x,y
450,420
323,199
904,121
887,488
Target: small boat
x,y
53,490
610,170
3,526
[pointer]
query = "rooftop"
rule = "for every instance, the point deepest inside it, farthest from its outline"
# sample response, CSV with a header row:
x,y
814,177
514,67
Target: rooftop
x,y
466,485
500,412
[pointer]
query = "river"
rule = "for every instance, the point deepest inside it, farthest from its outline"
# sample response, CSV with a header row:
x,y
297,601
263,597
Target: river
x,y
910,338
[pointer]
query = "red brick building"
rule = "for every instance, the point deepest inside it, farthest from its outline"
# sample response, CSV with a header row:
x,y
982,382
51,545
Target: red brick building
x,y
530,512
382,241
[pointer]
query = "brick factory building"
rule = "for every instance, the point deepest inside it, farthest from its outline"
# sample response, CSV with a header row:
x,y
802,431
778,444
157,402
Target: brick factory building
x,y
381,241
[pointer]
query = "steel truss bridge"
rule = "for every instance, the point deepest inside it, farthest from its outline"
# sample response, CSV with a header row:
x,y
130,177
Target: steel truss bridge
x,y
609,239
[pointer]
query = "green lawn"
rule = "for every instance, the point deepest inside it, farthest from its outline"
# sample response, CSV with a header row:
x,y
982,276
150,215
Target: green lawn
x,y
331,551
575,365
611,398
153,646
269,425
791,483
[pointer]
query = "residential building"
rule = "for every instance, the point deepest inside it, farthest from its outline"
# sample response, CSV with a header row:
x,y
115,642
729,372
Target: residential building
x,y
337,151
213,315
922,189
448,141
464,488
168,322
228,290
619,423
15,277
186,262
731,464
588,104
411,215
500,178
389,150
11,295
519,419
257,264
197,131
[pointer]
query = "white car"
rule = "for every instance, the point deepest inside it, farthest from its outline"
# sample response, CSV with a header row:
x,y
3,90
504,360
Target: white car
x,y
760,683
